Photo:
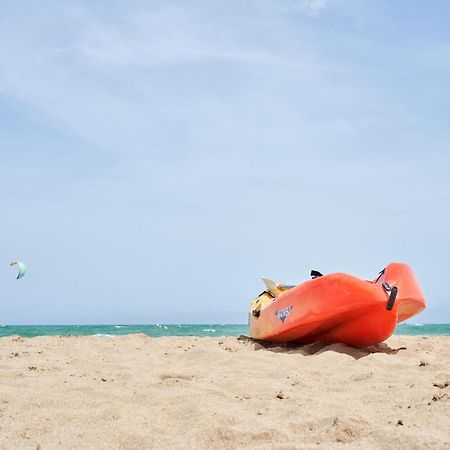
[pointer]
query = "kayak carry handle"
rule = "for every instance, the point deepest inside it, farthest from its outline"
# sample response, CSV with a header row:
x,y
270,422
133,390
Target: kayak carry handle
x,y
392,296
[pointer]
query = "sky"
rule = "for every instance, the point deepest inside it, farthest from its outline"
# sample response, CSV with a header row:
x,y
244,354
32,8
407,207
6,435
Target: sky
x,y
158,157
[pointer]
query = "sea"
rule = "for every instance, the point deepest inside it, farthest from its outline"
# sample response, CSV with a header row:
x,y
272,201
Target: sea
x,y
157,330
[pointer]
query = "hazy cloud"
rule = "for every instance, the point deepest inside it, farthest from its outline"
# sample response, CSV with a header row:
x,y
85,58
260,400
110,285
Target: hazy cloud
x,y
176,151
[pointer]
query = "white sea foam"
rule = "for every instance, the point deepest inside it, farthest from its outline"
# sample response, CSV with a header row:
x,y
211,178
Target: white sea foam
x,y
105,335
209,330
119,326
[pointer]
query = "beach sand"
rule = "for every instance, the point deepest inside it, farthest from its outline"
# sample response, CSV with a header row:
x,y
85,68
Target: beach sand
x,y
212,393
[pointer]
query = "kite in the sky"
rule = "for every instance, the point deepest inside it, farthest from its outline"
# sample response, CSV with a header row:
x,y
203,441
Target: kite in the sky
x,y
22,268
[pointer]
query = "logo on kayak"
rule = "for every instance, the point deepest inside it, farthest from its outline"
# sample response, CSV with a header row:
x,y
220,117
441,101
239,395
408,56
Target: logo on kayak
x,y
283,313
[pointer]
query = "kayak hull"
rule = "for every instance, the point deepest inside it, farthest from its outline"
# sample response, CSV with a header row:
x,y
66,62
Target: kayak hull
x,y
339,308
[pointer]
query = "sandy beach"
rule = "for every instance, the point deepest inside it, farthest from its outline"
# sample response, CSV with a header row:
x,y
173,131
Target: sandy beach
x,y
137,392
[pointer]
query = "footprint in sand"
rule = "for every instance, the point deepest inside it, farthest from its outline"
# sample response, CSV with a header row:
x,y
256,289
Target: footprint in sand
x,y
175,378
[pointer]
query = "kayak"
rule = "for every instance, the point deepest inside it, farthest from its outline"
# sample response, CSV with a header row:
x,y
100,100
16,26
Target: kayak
x,y
337,307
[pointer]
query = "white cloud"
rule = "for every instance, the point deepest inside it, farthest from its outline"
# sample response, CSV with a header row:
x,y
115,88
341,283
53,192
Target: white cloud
x,y
170,80
314,7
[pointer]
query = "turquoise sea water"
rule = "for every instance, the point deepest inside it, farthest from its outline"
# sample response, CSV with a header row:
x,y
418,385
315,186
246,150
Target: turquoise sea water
x,y
179,330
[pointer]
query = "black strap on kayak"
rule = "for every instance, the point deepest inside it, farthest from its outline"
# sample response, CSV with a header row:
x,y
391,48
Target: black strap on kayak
x,y
392,296
316,274
380,275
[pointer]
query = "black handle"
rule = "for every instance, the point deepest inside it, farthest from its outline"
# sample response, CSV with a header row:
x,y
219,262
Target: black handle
x,y
392,296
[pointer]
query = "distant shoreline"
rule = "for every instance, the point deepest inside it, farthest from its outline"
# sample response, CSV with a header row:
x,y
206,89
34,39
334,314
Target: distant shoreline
x,y
198,330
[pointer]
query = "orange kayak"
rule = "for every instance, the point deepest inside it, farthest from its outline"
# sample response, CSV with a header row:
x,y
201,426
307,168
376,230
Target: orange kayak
x,y
337,308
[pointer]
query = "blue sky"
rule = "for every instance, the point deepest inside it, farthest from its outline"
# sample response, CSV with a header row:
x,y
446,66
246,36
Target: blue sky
x,y
157,158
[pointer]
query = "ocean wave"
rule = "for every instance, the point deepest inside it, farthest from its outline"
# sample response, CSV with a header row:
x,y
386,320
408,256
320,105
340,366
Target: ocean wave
x,y
104,335
209,330
119,326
